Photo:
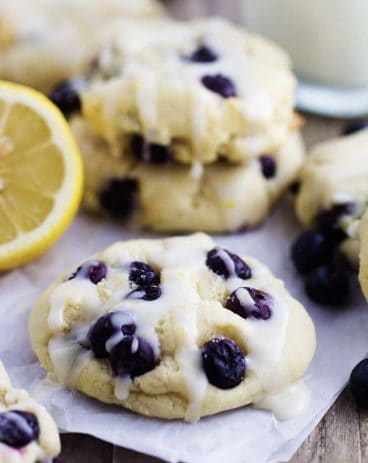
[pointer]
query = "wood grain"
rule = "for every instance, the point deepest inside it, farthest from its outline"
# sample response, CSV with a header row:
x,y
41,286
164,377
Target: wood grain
x,y
342,435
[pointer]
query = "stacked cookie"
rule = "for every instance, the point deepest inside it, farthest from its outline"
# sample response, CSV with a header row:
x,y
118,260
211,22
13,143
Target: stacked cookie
x,y
185,126
45,41
27,432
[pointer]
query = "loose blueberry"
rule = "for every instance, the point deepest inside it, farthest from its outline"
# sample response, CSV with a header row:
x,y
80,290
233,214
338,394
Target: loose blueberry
x,y
105,328
151,153
226,264
358,383
268,166
328,219
66,98
354,126
133,356
143,274
93,270
250,303
147,293
18,428
220,84
311,250
223,362
326,285
119,197
203,54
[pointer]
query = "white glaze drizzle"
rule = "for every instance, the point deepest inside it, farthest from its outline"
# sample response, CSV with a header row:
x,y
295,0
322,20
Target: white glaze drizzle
x,y
118,319
244,297
290,402
65,294
197,170
227,260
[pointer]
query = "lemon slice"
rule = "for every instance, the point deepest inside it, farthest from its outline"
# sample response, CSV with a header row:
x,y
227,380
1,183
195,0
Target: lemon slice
x,y
41,175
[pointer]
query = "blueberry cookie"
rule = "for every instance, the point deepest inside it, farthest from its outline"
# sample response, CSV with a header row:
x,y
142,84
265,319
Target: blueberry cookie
x,y
363,254
45,41
333,189
203,91
27,432
175,328
164,196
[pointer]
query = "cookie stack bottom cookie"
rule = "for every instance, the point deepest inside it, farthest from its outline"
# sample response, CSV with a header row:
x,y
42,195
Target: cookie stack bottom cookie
x,y
221,197
175,328
27,432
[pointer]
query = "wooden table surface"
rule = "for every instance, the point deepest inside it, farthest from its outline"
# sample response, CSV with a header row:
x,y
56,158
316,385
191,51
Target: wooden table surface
x,y
342,435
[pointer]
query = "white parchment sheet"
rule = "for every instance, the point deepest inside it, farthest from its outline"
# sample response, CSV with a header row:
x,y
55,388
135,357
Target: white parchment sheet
x,y
242,436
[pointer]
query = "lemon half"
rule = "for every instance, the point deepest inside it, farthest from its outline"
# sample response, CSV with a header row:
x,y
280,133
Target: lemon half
x,y
41,176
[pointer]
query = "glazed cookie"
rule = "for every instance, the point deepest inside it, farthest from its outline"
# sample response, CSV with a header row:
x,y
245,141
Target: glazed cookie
x,y
203,90
331,199
58,38
333,182
175,328
333,191
363,254
164,196
27,432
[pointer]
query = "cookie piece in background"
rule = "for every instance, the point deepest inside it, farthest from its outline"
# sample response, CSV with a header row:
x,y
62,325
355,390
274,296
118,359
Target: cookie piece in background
x,y
175,328
206,90
331,198
363,254
27,432
162,195
45,41
333,189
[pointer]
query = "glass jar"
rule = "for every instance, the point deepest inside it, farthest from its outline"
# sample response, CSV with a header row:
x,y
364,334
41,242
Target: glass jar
x,y
327,41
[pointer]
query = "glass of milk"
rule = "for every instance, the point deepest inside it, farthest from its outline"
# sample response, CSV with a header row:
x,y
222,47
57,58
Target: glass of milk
x,y
328,43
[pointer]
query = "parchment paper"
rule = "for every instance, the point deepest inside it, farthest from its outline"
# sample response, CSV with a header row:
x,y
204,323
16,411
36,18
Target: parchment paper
x,y
242,436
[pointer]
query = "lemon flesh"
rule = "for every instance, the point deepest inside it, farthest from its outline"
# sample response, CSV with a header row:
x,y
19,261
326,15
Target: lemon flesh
x,y
40,175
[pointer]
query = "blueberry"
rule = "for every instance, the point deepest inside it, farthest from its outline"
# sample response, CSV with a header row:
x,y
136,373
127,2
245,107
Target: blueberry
x,y
119,197
147,293
223,362
328,285
151,293
18,428
151,153
220,84
226,264
294,188
133,356
268,166
203,54
143,274
106,327
328,219
358,383
312,249
250,303
66,98
94,270
354,126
